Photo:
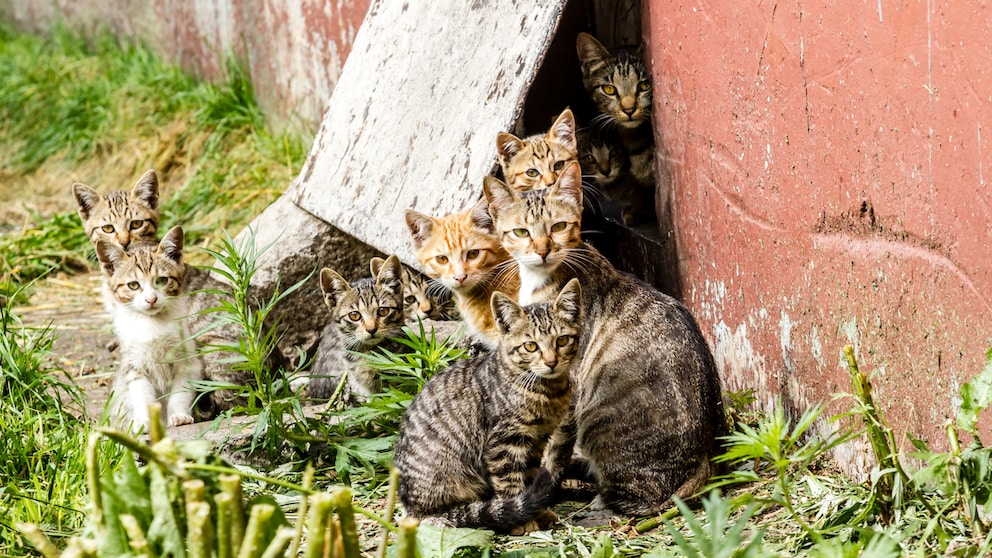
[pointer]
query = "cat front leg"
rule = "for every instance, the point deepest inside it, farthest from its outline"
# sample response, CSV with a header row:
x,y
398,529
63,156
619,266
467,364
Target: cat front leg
x,y
179,406
558,452
139,394
363,382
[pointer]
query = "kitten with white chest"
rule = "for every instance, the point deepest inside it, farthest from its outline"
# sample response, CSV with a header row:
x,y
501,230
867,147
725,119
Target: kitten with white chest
x,y
158,359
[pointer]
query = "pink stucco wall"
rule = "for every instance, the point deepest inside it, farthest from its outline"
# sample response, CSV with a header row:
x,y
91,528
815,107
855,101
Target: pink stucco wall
x,y
829,166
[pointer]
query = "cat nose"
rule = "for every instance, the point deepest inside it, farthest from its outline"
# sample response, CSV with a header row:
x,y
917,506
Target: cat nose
x,y
426,307
551,362
542,251
151,300
629,111
461,278
123,240
372,330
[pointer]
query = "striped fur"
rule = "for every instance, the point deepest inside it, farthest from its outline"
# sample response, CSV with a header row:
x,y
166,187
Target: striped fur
x,y
535,161
365,314
423,299
470,446
647,406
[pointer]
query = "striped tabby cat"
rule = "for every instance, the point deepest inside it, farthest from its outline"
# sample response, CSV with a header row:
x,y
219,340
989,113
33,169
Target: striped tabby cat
x,y
470,445
642,355
422,299
365,314
620,86
157,356
535,161
461,252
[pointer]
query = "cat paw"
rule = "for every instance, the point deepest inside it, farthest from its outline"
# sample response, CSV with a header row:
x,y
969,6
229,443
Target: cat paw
x,y
180,419
598,504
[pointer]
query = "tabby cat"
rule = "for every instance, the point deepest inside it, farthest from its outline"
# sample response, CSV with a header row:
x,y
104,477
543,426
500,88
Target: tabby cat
x,y
365,314
601,156
620,87
157,356
647,406
470,445
461,252
422,299
535,161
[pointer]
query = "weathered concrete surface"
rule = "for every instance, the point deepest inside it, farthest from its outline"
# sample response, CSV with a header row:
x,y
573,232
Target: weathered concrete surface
x,y
828,164
293,50
413,123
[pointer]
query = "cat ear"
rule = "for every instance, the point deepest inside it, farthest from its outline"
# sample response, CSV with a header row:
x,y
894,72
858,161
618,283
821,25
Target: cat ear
x,y
481,217
146,189
109,255
421,226
563,130
568,304
507,145
172,244
86,197
505,310
389,275
569,183
590,50
375,264
333,286
498,194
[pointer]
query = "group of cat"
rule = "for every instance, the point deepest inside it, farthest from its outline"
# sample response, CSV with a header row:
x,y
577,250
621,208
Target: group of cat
x,y
586,371
590,372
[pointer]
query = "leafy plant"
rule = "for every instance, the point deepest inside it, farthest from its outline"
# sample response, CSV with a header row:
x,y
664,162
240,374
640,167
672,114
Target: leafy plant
x,y
717,537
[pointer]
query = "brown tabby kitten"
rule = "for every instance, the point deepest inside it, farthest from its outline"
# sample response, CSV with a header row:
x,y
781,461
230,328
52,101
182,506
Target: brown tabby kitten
x,y
470,446
647,407
422,298
620,87
157,356
535,161
601,156
461,252
366,313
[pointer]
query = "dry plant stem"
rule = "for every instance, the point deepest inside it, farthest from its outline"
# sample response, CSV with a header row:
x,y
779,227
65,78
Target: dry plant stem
x,y
254,542
195,490
37,538
321,508
135,536
231,485
654,522
276,548
150,455
394,481
406,542
223,503
294,546
349,530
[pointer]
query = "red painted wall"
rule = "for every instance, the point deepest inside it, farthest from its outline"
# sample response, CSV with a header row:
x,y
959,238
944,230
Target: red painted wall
x,y
830,168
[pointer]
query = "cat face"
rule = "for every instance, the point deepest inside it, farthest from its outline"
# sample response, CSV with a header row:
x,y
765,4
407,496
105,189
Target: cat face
x,y
422,299
370,309
121,217
601,156
459,250
618,83
536,161
540,339
149,277
538,228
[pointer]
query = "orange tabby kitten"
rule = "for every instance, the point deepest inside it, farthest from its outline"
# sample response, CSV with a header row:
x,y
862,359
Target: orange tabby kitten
x,y
536,161
461,252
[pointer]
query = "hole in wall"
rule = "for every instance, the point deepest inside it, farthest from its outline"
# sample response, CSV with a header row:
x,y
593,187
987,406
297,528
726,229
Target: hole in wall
x,y
645,249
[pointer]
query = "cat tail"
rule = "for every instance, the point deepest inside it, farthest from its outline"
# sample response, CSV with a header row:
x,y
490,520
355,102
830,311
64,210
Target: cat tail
x,y
505,514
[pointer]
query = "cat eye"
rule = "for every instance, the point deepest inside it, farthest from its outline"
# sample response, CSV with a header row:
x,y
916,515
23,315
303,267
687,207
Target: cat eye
x,y
609,90
472,254
530,346
588,159
161,281
134,285
532,173
559,226
559,165
107,228
384,311
410,299
521,233
135,225
354,315
442,259
644,86
563,341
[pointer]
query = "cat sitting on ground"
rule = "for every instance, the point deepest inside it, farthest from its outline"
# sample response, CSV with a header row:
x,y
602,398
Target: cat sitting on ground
x,y
641,355
460,252
535,161
158,358
365,315
470,445
620,86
